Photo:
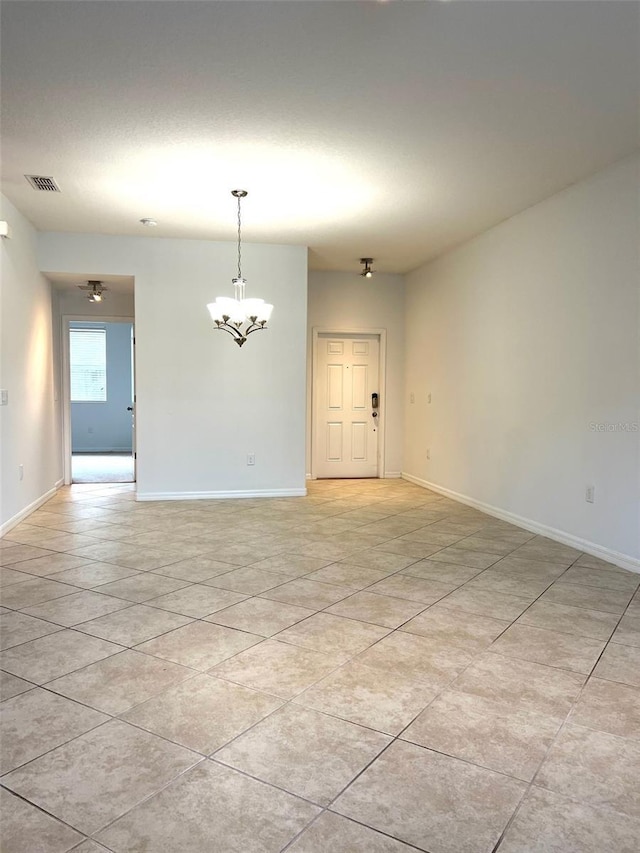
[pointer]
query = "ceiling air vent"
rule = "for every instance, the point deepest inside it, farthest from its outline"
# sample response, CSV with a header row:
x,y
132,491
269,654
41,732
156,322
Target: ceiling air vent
x,y
43,183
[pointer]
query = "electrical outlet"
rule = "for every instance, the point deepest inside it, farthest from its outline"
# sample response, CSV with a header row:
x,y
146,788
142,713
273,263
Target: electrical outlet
x,y
428,453
412,397
4,397
429,397
590,494
21,472
251,458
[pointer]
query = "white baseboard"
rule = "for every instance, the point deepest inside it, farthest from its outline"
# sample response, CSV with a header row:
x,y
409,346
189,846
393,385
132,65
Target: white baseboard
x,y
96,451
392,475
208,496
33,506
624,561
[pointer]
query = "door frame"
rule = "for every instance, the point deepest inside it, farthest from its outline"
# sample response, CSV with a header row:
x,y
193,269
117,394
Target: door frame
x,y
381,334
66,381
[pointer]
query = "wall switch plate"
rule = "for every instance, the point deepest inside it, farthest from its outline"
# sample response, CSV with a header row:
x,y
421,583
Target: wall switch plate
x,y
429,397
412,397
251,458
590,494
21,472
4,397
428,453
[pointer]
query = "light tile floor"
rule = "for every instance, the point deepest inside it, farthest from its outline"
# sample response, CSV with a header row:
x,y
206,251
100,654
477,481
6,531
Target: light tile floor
x,y
373,668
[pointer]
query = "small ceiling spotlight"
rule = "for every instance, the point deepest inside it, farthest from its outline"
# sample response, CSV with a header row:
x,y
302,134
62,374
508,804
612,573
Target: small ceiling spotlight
x,y
149,223
367,272
95,290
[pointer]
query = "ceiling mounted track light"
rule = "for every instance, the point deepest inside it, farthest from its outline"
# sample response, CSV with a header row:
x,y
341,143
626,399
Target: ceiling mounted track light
x,y
95,290
239,316
367,272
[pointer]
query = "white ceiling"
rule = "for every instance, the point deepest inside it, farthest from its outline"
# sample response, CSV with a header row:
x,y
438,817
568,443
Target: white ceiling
x,y
392,130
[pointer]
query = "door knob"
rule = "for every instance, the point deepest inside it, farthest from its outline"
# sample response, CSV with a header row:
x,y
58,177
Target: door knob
x,y
374,414
129,408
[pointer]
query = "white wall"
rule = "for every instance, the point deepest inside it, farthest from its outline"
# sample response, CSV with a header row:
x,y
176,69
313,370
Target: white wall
x,y
203,403
525,337
104,426
346,300
28,424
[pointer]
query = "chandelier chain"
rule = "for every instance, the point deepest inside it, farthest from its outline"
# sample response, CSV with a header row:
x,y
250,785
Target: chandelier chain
x,y
239,241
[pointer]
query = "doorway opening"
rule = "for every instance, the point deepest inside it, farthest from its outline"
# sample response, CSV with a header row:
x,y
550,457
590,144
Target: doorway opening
x,y
348,403
99,405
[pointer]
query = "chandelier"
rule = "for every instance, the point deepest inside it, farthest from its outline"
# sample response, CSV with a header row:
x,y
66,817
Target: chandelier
x,y
95,290
239,316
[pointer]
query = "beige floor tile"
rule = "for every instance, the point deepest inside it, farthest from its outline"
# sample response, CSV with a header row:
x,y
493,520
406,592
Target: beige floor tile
x,y
130,556
524,586
433,801
589,597
444,625
518,684
417,658
16,628
134,624
340,637
478,731
199,645
486,602
413,589
445,573
465,557
50,564
529,567
36,722
92,780
553,648
194,569
25,829
570,620
594,767
340,835
92,574
292,565
34,592
203,713
278,668
120,682
377,609
260,616
628,631
249,580
366,696
487,545
11,685
90,847
601,578
306,593
609,707
549,823
620,663
305,752
79,607
15,553
380,560
238,812
57,654
407,548
346,574
142,587
8,577
196,600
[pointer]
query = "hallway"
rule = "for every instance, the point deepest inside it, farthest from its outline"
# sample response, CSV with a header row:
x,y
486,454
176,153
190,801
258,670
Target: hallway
x,y
372,668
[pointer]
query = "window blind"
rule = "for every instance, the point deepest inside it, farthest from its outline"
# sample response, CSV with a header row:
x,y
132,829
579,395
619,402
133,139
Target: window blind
x,y
88,358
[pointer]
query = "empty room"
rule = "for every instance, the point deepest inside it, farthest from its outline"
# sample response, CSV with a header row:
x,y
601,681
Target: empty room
x,y
320,426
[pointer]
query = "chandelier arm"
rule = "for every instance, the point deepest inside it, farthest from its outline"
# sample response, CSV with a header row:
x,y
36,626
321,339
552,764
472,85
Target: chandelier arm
x,y
254,327
232,330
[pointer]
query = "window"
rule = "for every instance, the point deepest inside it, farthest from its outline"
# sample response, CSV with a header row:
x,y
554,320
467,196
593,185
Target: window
x,y
88,357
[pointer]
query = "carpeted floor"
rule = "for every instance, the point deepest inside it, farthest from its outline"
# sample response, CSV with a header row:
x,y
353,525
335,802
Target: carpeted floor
x,y
102,468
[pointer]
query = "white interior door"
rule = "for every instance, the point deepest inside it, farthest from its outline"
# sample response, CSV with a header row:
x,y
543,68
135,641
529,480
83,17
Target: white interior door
x,y
346,421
